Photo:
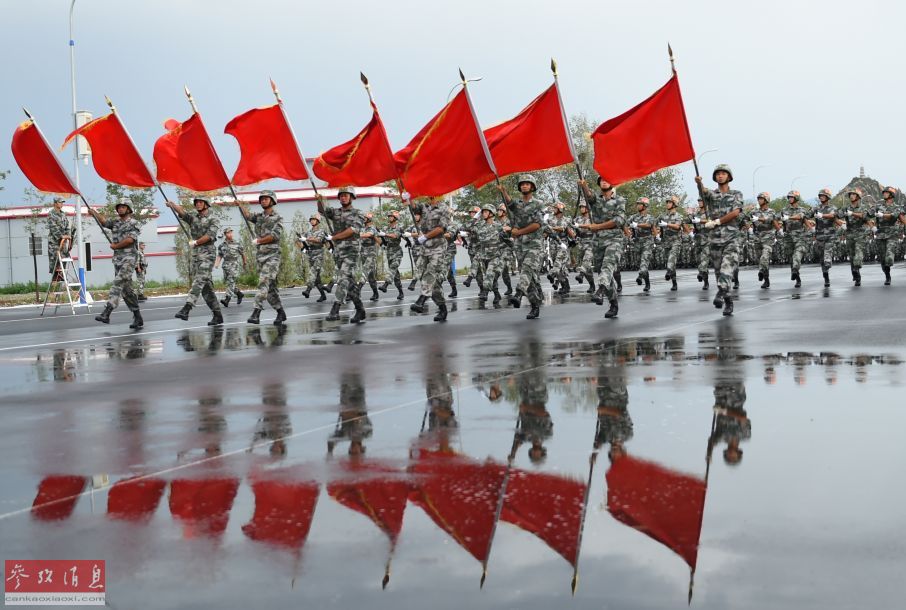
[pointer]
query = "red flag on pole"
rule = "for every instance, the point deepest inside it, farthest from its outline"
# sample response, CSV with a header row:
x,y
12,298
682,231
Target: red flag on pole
x,y
662,504
446,154
365,160
186,157
135,500
377,491
649,137
37,161
284,511
57,497
268,147
112,152
534,139
203,505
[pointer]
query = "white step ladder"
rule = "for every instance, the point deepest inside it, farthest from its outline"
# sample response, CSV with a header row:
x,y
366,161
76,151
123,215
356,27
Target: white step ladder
x,y
69,281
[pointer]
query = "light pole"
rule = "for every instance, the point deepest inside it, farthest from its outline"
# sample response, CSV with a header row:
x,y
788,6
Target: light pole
x,y
755,192
793,181
710,150
80,242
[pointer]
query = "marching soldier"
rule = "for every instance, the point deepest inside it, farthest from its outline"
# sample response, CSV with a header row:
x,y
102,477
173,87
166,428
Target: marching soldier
x,y
526,215
509,254
886,216
471,228
794,217
857,228
315,240
490,254
723,205
826,222
671,226
585,252
141,270
392,237
607,220
230,254
59,238
702,247
203,230
765,225
416,250
370,243
435,221
124,242
642,225
451,236
268,233
559,251
348,224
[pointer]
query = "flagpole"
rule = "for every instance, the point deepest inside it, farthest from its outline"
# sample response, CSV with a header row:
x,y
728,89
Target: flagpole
x,y
500,500
569,140
156,183
216,156
65,173
683,106
707,474
592,461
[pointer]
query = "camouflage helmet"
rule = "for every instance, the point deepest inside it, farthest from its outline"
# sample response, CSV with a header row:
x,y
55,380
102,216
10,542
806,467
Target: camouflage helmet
x,y
722,167
672,199
314,217
350,190
124,201
890,189
826,192
489,207
474,209
642,201
501,207
764,195
583,204
368,216
268,193
395,214
559,207
854,191
203,199
527,178
227,230
59,200
794,195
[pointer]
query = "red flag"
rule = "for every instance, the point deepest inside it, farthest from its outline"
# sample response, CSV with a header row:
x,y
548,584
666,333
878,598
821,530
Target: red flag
x,y
534,139
548,506
460,495
376,491
268,147
37,161
186,157
132,500
57,497
446,154
203,505
284,511
649,137
365,160
112,152
662,504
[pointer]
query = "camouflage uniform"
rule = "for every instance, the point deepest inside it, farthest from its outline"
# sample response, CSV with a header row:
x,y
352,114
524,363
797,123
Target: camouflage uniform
x,y
559,251
57,228
643,240
702,255
723,240
857,231
203,257
608,242
230,253
585,255
268,257
347,252
315,254
434,251
450,256
825,234
368,258
394,255
765,235
489,255
796,231
141,270
888,232
671,238
123,263
529,247
418,260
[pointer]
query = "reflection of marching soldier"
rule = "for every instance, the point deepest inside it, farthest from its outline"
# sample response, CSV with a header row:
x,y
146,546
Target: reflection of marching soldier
x,y
794,217
534,424
857,230
268,233
124,242
642,225
203,229
353,423
231,255
392,238
315,241
59,238
614,423
886,216
141,271
607,216
826,222
723,206
671,226
765,225
732,424
348,223
274,425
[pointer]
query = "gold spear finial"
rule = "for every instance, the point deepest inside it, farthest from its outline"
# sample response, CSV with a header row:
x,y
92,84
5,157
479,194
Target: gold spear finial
x,y
276,91
554,67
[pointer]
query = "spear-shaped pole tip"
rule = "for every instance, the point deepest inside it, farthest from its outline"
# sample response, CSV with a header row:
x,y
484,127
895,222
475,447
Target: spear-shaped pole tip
x,y
575,583
27,113
484,575
385,581
188,93
462,76
553,66
109,103
364,78
273,85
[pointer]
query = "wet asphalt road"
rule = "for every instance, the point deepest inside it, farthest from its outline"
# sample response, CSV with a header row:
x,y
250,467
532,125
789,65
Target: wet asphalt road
x,y
243,466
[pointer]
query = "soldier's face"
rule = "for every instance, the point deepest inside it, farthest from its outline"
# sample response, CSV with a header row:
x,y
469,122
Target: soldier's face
x,y
525,188
58,205
762,201
228,236
122,210
792,201
486,214
604,185
854,199
823,199
265,202
583,210
721,177
887,196
641,208
313,222
345,198
501,213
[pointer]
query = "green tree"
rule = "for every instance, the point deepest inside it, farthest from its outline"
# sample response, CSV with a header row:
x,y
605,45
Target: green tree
x,y
141,200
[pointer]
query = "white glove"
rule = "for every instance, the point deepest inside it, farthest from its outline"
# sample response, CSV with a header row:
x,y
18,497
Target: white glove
x,y
780,232
330,238
691,233
751,231
563,247
849,213
382,234
879,214
696,219
192,244
407,234
463,234
546,216
843,226
874,229
422,239
634,225
785,217
755,217
405,196
662,223
477,215
711,224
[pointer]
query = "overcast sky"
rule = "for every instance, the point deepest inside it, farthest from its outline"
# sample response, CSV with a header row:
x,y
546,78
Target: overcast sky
x,y
811,89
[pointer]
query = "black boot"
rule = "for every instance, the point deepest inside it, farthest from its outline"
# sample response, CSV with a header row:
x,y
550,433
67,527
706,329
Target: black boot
x,y
579,278
323,296
307,292
334,314
614,309
705,284
516,299
826,274
216,318
137,321
647,283
399,287
254,318
441,313
534,312
412,284
857,276
374,290
360,314
467,282
767,279
699,277
183,314
225,301
673,287
281,317
728,305
886,270
638,279
383,287
507,283
760,276
497,297
239,296
719,298
141,297
796,277
453,293
598,296
619,279
104,316
564,285
329,287
483,294
419,305
667,276
591,283
736,280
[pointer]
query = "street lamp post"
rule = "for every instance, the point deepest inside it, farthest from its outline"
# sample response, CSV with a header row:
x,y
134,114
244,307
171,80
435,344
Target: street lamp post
x,y
754,191
793,181
80,241
710,150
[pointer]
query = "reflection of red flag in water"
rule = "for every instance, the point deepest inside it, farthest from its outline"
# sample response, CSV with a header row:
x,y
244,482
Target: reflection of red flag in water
x,y
268,147
365,160
662,504
534,139
134,500
186,157
549,507
203,505
113,154
460,495
57,497
37,161
644,139
376,492
283,512
446,154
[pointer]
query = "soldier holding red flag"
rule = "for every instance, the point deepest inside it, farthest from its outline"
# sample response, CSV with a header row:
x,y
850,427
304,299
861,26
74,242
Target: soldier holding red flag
x,y
723,206
435,220
125,251
348,223
268,233
526,221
